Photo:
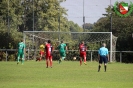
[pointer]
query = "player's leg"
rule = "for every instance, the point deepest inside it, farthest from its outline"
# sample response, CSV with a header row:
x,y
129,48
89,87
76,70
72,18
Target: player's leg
x,y
100,63
99,67
80,61
81,56
60,60
40,57
85,59
50,60
61,55
47,58
22,61
18,58
105,63
105,67
41,54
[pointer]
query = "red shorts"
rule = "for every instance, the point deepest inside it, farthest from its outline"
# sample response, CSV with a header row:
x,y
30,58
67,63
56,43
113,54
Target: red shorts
x,y
82,54
48,57
41,53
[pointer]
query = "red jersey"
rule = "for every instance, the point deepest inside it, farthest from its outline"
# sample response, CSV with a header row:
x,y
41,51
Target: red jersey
x,y
48,49
82,48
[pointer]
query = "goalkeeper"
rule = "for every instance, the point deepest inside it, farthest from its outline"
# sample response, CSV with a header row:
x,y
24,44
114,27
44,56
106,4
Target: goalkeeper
x,y
41,52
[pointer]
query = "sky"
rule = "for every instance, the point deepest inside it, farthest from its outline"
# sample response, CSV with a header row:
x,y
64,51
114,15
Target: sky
x,y
92,9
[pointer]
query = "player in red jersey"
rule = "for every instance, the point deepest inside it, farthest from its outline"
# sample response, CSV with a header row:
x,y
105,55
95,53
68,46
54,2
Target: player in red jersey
x,y
82,50
48,52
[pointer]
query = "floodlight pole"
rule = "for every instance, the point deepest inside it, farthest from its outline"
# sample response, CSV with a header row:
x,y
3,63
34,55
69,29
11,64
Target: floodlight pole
x,y
110,17
83,18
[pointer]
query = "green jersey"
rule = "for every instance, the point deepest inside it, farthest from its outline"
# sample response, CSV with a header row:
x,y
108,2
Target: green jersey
x,y
21,47
62,47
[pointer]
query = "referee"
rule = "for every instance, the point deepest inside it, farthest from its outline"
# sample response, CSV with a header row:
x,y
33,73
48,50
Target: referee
x,y
103,56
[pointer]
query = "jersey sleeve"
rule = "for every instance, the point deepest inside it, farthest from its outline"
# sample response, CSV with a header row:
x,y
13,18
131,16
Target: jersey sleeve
x,y
65,45
107,51
24,46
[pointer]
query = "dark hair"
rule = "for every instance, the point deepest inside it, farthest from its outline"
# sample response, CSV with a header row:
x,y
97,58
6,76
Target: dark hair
x,y
61,41
21,40
49,41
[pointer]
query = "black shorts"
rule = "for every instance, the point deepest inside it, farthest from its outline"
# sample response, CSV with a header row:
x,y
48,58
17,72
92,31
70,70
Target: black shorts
x,y
103,59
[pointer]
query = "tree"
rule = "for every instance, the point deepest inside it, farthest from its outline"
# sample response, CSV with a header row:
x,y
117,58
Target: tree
x,y
46,15
88,26
10,16
74,27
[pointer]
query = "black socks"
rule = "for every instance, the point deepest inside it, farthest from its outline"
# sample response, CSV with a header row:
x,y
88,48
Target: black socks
x,y
105,67
99,68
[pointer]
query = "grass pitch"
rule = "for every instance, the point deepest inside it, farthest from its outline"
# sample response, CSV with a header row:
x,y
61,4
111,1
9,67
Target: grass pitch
x,y
68,74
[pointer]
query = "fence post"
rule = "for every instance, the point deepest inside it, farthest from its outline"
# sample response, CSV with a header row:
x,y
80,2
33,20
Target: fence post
x,y
120,56
28,53
6,55
91,55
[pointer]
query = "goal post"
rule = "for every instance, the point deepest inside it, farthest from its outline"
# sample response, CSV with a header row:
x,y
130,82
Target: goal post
x,y
93,40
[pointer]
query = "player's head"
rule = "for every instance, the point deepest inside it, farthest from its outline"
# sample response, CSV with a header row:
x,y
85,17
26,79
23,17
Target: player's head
x,y
82,42
61,41
49,41
104,44
21,40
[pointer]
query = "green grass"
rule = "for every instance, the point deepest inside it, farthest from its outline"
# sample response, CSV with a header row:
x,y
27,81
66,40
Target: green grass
x,y
68,74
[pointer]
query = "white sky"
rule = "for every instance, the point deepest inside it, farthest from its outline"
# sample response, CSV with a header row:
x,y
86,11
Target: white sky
x,y
93,9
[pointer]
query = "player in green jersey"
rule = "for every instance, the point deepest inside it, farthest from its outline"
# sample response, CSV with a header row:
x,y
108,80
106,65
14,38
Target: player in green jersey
x,y
21,51
62,50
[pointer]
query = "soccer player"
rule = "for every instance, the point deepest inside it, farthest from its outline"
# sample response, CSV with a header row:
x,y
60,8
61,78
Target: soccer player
x,y
103,56
41,52
21,51
48,51
82,49
62,50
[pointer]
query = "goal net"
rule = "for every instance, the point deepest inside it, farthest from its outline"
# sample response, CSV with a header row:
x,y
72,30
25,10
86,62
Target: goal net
x,y
93,41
